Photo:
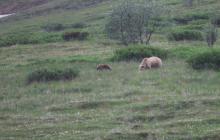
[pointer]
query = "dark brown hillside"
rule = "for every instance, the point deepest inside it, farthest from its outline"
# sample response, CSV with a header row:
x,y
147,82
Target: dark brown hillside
x,y
12,6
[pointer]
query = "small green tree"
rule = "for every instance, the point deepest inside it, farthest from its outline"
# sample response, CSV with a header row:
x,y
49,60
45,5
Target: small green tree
x,y
122,23
211,34
134,22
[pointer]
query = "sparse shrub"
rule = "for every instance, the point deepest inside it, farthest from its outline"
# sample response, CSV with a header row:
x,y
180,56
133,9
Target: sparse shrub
x,y
53,27
75,36
138,53
211,34
45,75
206,60
181,34
78,25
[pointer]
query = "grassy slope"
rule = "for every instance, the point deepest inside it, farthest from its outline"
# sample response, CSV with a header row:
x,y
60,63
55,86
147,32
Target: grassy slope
x,y
175,102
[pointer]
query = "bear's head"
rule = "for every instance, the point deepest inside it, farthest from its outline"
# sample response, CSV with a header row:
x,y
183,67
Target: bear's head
x,y
142,67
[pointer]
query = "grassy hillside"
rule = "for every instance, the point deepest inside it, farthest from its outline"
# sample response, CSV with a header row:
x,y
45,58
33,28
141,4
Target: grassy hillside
x,y
175,102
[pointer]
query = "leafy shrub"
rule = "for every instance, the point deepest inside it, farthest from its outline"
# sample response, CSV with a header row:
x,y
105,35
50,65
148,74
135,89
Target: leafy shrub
x,y
75,36
137,53
181,34
206,60
78,25
45,75
53,27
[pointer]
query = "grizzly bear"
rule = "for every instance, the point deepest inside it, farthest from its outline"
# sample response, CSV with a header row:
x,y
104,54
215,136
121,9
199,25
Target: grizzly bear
x,y
101,67
151,62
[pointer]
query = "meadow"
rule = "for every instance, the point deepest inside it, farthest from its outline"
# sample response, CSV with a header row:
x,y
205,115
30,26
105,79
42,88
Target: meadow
x,y
175,102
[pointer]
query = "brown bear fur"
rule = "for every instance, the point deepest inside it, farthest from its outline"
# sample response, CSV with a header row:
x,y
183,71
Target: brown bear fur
x,y
151,62
102,67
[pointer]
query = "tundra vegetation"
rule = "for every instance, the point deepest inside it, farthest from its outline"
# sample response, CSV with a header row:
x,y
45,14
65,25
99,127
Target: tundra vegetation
x,y
50,88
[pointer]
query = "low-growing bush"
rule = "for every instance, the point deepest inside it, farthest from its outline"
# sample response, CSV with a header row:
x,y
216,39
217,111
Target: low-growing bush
x,y
23,37
186,52
78,25
192,27
17,38
46,75
53,27
181,34
206,60
75,36
137,53
185,19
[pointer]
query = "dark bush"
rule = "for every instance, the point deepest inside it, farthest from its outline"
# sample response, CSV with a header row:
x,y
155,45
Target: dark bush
x,y
75,36
78,25
215,20
137,53
53,27
185,19
181,34
206,60
45,75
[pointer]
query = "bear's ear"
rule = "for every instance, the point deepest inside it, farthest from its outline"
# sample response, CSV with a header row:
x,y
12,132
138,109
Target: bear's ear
x,y
145,59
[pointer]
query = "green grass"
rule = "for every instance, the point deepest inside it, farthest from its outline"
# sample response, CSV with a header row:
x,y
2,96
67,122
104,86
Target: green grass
x,y
174,102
